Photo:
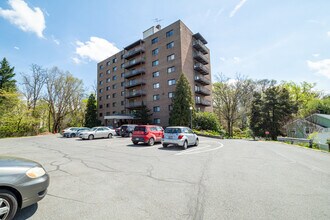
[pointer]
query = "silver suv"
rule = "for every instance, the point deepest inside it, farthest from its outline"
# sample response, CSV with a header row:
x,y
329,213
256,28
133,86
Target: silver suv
x,y
180,136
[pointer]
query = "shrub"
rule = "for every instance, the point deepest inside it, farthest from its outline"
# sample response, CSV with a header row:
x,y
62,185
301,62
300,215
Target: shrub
x,y
206,121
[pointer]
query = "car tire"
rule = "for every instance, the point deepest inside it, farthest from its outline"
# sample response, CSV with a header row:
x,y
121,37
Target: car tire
x,y
165,145
110,135
9,200
197,142
151,141
185,145
90,137
72,135
135,142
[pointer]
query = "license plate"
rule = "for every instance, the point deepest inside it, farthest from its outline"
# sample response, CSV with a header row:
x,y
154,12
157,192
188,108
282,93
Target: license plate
x,y
136,139
170,137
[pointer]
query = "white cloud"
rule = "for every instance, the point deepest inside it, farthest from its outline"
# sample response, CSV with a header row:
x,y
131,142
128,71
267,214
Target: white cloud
x,y
322,67
96,49
237,7
222,59
56,41
16,48
24,17
315,54
328,33
76,60
236,60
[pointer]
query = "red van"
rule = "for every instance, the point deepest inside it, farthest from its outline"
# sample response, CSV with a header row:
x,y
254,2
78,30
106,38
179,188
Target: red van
x,y
148,134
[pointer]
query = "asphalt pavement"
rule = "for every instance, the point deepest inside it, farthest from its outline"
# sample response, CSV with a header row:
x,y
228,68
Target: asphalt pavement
x,y
219,179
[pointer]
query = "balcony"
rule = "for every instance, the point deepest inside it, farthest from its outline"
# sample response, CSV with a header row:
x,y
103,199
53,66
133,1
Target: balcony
x,y
135,82
198,45
202,91
203,102
203,80
134,94
132,53
198,36
201,69
134,73
200,57
134,105
133,63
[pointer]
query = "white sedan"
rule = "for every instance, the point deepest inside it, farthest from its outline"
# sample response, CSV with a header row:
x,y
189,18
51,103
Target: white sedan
x,y
97,132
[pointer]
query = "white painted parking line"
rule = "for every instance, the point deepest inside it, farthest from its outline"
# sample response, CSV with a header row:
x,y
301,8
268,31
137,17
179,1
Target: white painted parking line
x,y
200,150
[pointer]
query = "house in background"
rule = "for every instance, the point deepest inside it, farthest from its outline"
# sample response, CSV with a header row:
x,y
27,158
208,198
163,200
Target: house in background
x,y
302,128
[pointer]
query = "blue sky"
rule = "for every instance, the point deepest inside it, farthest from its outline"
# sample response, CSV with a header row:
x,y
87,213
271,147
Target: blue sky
x,y
282,40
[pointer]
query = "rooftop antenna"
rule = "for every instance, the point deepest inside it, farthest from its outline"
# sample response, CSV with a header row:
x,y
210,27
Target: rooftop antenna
x,y
157,21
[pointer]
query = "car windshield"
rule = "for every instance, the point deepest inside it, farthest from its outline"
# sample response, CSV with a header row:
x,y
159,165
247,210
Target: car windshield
x,y
93,129
172,130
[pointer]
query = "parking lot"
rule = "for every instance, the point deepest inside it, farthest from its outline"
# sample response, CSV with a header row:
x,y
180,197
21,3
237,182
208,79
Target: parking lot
x,y
219,179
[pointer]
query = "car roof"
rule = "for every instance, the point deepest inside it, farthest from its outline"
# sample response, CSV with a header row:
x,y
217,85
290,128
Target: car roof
x,y
177,127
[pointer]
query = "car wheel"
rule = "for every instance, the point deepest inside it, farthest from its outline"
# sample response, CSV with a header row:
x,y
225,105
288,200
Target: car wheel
x,y
165,145
185,145
197,142
110,135
72,135
90,137
135,142
8,204
151,142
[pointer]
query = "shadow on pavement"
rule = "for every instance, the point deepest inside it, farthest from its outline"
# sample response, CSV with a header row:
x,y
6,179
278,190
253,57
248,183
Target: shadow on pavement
x,y
171,148
26,212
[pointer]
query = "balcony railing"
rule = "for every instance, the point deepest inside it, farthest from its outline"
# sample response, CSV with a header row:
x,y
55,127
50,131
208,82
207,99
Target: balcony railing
x,y
198,45
134,62
132,83
135,94
200,57
134,105
203,80
203,91
133,52
134,73
201,69
203,102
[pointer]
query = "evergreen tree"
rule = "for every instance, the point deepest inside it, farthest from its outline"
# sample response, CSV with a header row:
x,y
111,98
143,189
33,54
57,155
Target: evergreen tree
x,y
7,74
256,119
182,101
91,113
143,114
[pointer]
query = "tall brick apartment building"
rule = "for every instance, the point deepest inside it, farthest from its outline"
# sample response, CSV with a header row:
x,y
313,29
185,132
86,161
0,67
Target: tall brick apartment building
x,y
146,72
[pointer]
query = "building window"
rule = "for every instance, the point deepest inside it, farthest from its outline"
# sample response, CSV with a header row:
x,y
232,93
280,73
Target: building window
x,y
101,82
122,65
170,107
114,60
156,85
169,33
101,74
122,56
122,103
108,96
107,104
101,106
100,98
108,71
108,80
156,97
122,75
156,120
100,90
171,69
107,113
101,67
114,95
171,95
108,88
155,74
155,40
114,104
114,86
170,57
171,82
114,68
170,45
101,114
114,77
155,63
122,93
122,84
156,108
108,63
155,51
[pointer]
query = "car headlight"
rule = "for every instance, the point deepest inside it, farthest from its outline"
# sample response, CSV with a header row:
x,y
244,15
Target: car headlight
x,y
35,172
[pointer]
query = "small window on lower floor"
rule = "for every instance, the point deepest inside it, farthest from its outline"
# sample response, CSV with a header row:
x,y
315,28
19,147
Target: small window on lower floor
x,y
156,108
156,120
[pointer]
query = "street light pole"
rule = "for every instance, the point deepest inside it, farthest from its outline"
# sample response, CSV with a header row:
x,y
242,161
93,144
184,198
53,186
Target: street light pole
x,y
190,108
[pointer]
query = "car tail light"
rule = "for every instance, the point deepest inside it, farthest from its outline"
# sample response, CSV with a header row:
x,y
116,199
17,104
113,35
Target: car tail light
x,y
180,136
163,135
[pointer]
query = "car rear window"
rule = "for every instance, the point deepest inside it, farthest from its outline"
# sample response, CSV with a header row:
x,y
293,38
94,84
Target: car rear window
x,y
172,130
140,128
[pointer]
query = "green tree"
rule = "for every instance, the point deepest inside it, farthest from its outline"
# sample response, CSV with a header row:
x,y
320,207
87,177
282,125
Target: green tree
x,y
7,74
143,114
182,101
256,117
91,119
206,121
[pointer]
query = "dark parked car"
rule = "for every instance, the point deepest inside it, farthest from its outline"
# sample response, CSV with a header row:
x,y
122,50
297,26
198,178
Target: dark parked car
x,y
148,134
127,130
118,130
22,183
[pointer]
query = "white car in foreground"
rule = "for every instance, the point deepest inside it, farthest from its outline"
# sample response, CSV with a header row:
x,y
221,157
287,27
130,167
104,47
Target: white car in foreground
x,y
179,136
97,132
